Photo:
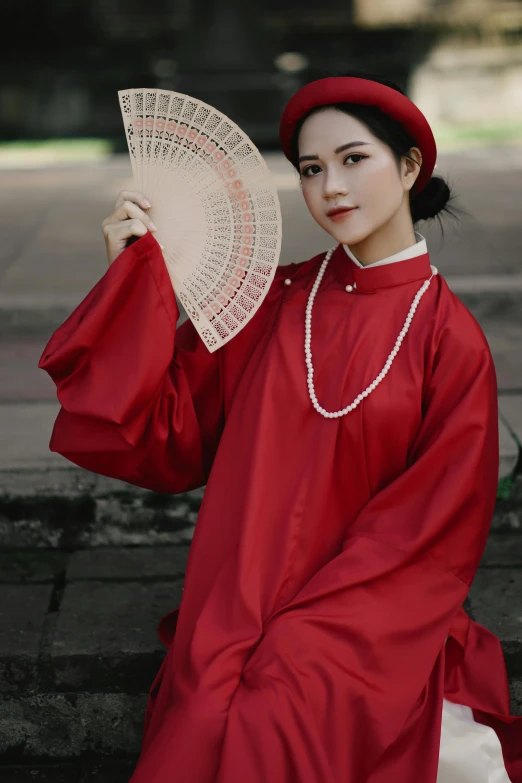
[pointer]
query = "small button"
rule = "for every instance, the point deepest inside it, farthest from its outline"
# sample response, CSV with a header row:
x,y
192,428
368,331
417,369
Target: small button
x,y
349,288
288,281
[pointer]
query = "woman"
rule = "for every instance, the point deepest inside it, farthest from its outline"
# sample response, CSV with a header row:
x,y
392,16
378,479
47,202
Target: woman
x,y
348,441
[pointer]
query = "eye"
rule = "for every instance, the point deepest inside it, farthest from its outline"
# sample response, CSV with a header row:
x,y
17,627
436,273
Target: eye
x,y
307,169
354,155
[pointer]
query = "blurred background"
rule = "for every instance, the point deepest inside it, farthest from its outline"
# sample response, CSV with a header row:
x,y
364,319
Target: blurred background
x,y
461,60
85,624
64,155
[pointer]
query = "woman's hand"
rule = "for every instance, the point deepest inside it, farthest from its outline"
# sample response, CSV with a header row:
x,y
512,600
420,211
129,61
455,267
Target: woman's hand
x,y
127,220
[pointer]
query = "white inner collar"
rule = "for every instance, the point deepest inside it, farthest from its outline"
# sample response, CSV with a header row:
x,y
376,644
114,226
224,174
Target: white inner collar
x,y
418,249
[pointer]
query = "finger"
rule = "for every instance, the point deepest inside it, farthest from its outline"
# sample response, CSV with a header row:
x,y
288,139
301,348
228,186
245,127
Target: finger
x,y
132,195
127,228
132,210
123,229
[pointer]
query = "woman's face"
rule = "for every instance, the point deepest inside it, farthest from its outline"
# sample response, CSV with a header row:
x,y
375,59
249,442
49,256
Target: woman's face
x,y
364,176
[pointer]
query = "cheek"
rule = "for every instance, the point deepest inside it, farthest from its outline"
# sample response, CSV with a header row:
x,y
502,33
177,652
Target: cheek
x,y
379,197
313,199
381,183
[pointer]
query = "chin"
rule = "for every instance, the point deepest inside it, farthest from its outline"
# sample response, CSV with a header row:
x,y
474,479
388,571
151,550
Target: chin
x,y
348,237
345,234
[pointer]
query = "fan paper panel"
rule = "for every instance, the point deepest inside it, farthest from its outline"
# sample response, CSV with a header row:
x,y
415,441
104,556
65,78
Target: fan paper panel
x,y
214,202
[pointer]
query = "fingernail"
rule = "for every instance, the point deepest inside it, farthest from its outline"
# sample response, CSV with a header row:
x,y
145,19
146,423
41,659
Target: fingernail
x,y
153,226
146,203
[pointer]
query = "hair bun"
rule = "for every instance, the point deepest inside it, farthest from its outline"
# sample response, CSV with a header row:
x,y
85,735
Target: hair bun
x,y
431,200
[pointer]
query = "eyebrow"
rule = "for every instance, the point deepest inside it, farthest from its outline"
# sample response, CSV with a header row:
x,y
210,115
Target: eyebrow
x,y
339,149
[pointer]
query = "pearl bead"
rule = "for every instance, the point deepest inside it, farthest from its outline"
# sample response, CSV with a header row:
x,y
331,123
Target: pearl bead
x,y
389,360
288,281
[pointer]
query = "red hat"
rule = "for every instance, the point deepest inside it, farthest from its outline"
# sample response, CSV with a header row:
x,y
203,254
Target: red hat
x,y
351,89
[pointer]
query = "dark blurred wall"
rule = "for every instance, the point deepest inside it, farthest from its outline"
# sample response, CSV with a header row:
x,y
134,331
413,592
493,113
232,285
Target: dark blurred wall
x,y
62,62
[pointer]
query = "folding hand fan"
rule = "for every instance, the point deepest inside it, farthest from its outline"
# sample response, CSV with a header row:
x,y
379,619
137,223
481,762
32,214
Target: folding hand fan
x,y
214,203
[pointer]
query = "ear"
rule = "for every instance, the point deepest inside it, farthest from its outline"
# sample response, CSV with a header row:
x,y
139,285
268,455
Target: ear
x,y
410,169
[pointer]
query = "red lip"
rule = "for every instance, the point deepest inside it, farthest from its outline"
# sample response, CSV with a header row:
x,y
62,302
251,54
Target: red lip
x,y
336,210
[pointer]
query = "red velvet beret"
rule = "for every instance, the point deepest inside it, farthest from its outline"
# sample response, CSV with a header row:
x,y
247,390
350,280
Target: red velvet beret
x,y
350,89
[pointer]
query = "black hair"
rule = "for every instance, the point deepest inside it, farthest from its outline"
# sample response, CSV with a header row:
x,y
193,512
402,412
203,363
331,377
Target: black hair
x,y
436,194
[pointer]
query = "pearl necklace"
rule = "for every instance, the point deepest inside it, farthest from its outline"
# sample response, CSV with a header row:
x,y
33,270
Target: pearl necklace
x,y
389,360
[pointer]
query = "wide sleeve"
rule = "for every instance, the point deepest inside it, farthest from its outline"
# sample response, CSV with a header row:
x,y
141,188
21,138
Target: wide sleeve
x,y
343,667
141,398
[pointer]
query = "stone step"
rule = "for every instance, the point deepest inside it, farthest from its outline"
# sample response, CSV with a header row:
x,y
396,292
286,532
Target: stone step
x,y
499,316
72,508
27,426
488,297
28,404
79,648
91,769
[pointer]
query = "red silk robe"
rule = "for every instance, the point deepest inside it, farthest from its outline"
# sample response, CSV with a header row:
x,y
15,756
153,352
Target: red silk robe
x,y
331,557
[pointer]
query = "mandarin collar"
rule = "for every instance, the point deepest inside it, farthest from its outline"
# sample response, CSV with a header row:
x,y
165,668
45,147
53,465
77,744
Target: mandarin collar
x,y
417,249
370,279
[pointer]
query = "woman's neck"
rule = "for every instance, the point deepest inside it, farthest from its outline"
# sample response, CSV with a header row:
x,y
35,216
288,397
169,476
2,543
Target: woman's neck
x,y
383,243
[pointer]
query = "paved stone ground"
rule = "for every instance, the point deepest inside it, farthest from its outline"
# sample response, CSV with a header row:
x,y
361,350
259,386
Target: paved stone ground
x,y
88,565
53,253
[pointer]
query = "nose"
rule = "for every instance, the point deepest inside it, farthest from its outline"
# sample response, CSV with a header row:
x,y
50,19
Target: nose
x,y
333,184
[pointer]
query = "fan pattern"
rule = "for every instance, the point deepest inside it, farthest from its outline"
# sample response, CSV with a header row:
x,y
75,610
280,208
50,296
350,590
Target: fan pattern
x,y
214,203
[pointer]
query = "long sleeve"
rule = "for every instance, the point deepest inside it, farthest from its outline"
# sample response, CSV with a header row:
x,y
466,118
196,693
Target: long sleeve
x,y
141,399
345,665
